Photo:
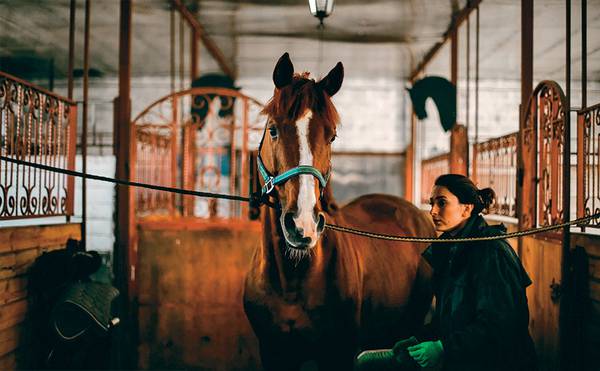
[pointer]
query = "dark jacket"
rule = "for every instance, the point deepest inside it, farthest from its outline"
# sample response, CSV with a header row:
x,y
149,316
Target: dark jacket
x,y
481,313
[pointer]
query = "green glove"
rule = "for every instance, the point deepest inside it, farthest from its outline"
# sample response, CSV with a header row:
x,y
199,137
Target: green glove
x,y
400,350
427,353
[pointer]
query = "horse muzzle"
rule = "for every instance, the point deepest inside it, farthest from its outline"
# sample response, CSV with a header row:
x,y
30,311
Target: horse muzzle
x,y
302,231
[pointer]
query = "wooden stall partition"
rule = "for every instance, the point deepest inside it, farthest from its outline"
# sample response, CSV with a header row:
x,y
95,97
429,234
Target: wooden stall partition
x,y
587,316
542,258
190,280
19,247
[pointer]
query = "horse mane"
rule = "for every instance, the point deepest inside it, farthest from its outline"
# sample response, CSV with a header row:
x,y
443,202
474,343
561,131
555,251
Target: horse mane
x,y
294,99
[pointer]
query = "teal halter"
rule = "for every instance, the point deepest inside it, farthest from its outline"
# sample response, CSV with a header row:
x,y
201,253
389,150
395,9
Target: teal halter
x,y
271,181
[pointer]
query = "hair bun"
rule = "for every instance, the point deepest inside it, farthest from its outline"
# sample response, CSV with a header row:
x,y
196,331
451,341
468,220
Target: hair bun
x,y
488,196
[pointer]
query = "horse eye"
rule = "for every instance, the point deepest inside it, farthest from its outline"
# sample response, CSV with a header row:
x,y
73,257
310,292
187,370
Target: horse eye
x,y
273,132
333,138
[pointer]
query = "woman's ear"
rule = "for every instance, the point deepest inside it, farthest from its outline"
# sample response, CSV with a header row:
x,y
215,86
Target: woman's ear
x,y
468,209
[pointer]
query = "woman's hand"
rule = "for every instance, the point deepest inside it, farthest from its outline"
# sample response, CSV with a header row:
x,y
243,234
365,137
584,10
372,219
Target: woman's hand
x,y
427,353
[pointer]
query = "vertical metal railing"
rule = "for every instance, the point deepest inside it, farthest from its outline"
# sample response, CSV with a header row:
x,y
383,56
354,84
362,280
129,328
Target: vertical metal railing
x,y
588,163
495,166
206,134
432,168
36,126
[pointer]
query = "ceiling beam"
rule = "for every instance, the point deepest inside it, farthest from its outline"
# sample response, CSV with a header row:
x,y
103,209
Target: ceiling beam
x,y
456,22
208,42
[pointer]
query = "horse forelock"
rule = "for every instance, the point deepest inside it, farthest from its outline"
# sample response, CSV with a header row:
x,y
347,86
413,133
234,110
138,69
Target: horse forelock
x,y
291,102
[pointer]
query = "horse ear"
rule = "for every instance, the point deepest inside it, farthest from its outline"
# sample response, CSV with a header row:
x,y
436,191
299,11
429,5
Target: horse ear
x,y
283,72
333,81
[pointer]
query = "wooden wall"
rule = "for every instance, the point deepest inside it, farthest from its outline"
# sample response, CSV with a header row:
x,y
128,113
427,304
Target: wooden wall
x,y
190,280
590,305
19,247
542,260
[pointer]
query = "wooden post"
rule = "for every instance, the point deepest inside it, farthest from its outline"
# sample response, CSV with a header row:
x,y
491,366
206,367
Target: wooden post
x,y
125,244
194,54
410,160
458,149
458,135
84,126
526,165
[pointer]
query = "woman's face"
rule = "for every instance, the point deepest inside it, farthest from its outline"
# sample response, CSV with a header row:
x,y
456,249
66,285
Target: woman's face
x,y
446,210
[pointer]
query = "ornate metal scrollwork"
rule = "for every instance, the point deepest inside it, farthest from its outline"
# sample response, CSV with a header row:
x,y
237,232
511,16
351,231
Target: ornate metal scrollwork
x,y
197,139
35,126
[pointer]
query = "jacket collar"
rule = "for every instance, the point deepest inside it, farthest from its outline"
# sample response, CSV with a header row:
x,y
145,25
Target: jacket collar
x,y
437,253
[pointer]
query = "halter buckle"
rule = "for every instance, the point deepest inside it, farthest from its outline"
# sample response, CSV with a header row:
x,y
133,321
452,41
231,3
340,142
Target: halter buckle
x,y
269,185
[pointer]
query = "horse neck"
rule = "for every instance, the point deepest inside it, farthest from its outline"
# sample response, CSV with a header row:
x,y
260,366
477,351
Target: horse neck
x,y
286,274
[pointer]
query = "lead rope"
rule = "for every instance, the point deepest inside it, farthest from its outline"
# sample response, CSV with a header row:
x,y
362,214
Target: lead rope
x,y
257,199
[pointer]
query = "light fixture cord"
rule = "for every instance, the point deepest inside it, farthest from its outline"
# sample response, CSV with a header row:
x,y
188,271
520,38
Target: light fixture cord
x,y
321,27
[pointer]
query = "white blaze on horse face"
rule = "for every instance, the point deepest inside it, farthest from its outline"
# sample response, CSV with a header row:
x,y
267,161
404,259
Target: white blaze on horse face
x,y
306,195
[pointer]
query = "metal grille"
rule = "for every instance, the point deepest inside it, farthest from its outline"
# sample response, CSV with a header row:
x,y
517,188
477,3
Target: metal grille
x,y
432,168
588,164
199,139
551,129
36,126
495,166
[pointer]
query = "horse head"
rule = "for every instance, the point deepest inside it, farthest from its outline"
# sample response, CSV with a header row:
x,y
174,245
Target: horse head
x,y
295,153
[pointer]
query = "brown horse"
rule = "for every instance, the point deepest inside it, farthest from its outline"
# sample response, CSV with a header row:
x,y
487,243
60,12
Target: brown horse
x,y
315,295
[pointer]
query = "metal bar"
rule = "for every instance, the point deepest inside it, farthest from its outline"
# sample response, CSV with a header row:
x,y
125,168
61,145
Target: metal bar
x,y
581,165
181,54
477,77
583,53
460,17
125,244
468,88
526,166
410,162
454,57
567,341
86,68
70,153
37,88
71,49
245,156
194,54
175,126
209,44
172,49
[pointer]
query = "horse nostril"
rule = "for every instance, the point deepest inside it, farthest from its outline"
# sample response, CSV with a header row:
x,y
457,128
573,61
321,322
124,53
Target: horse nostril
x,y
288,221
321,223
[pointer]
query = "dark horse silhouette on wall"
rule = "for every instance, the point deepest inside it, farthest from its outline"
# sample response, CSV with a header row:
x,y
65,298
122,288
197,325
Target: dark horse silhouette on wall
x,y
315,295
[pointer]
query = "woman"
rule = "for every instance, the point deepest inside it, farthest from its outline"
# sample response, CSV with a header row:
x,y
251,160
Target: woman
x,y
481,316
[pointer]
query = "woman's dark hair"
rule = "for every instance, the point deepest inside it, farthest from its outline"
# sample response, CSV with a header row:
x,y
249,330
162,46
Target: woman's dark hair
x,y
466,192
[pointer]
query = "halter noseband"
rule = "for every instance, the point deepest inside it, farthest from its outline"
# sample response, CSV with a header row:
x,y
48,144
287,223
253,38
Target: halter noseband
x,y
271,181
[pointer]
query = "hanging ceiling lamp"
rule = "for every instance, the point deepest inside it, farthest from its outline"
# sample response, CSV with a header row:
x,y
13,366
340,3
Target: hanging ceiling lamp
x,y
321,8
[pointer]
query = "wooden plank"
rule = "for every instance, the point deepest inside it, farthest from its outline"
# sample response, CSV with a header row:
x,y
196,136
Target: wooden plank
x,y
197,224
589,241
23,238
7,263
12,314
13,289
24,260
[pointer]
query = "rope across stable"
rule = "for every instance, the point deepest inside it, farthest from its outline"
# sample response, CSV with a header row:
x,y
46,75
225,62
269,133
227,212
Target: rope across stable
x,y
255,198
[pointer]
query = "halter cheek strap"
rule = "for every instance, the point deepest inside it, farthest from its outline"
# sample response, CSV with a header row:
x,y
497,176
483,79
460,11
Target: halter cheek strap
x,y
271,181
